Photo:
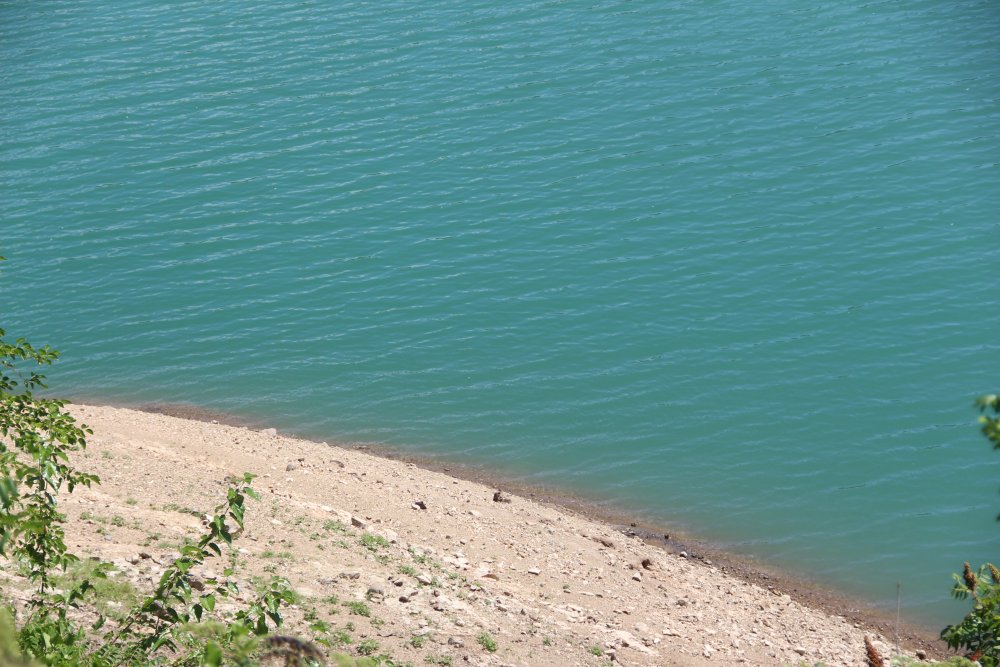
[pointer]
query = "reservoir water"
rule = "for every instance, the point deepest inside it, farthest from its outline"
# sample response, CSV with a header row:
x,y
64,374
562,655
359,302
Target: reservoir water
x,y
729,266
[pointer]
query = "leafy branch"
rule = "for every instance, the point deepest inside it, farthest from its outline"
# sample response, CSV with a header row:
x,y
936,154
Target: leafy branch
x,y
179,597
978,634
37,438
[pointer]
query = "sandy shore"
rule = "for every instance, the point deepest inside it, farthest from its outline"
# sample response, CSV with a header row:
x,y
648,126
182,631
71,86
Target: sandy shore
x,y
448,564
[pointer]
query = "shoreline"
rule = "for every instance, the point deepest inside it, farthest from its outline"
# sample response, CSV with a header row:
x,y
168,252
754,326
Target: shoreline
x,y
812,594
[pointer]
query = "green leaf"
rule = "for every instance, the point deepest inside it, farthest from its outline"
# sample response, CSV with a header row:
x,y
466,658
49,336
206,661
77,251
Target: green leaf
x,y
212,655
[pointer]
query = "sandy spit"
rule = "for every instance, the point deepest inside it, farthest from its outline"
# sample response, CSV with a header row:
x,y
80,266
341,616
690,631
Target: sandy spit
x,y
454,569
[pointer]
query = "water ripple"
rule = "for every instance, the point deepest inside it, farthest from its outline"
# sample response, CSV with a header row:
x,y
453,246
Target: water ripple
x,y
726,267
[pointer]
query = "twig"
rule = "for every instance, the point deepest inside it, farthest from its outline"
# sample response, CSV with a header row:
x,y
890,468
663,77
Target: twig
x,y
898,596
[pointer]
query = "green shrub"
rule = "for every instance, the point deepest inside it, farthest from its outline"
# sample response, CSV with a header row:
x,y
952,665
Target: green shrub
x,y
171,624
978,634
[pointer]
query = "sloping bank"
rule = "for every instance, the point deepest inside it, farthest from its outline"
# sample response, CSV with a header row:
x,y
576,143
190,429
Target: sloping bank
x,y
411,563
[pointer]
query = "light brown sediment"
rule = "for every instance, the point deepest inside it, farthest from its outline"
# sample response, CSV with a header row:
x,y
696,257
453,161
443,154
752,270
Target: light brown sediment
x,y
552,585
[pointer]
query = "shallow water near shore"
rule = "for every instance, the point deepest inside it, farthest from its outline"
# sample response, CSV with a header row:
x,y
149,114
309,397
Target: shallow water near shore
x,y
727,267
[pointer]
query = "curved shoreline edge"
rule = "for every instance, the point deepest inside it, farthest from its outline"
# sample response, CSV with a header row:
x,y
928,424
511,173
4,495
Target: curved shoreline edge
x,y
809,594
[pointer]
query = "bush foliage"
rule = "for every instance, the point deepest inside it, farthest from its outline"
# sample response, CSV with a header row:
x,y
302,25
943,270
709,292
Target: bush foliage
x,y
978,634
174,624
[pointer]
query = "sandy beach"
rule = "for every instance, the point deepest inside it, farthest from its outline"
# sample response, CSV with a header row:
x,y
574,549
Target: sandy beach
x,y
427,568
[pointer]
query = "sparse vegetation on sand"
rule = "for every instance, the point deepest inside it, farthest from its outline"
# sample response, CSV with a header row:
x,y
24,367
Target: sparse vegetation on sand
x,y
174,623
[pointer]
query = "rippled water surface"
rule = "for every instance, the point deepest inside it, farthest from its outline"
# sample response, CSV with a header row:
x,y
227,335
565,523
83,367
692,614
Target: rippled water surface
x,y
729,265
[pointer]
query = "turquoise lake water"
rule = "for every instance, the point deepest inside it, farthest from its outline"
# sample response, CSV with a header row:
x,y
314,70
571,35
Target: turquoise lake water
x,y
730,266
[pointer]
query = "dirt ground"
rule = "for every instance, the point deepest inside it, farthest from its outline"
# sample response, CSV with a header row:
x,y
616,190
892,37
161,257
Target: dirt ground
x,y
390,558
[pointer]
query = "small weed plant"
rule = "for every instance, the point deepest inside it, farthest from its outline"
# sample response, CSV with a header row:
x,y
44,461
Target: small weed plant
x,y
367,647
358,608
487,642
334,526
373,542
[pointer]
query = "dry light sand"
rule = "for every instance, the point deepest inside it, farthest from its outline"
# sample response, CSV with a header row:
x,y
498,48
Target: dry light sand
x,y
549,586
